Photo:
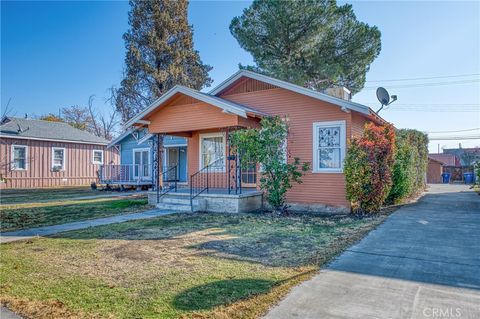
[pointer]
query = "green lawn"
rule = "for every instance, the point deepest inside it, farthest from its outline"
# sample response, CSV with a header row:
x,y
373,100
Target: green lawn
x,y
15,196
175,266
21,216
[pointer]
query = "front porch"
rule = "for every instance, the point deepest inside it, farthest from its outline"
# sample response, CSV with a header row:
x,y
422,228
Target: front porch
x,y
217,181
216,175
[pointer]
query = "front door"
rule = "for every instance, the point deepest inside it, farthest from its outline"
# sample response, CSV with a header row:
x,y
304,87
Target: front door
x,y
177,156
141,164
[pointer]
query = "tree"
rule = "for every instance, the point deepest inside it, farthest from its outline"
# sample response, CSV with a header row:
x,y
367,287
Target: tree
x,y
267,147
160,55
78,117
89,118
51,118
313,43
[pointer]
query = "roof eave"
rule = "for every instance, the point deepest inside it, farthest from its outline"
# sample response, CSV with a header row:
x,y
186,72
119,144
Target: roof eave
x,y
344,104
189,92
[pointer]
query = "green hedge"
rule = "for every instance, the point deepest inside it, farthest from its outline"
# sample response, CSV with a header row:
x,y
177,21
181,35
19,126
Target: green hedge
x,y
410,168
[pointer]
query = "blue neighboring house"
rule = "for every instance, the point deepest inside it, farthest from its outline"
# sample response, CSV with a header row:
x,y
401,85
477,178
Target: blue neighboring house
x,y
136,158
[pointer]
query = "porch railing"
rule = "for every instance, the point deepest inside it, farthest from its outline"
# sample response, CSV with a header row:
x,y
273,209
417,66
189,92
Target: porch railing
x,y
212,176
125,173
170,181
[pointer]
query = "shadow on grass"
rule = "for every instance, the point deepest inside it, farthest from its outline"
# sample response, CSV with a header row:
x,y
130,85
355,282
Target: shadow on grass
x,y
218,293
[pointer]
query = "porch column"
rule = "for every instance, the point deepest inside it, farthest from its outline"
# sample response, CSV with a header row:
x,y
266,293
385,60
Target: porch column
x,y
158,163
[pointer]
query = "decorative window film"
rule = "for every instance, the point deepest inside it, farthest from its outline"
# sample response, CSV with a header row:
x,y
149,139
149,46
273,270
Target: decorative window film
x,y
329,146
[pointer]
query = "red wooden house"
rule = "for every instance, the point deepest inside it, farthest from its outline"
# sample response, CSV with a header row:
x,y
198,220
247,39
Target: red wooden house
x,y
35,153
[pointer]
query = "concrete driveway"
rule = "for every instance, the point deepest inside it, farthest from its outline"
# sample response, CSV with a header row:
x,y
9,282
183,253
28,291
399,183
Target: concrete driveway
x,y
423,262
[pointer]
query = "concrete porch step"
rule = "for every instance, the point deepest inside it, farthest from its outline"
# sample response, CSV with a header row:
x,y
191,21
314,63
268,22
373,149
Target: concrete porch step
x,y
184,200
175,207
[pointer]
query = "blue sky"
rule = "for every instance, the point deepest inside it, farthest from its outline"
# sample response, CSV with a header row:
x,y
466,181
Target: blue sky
x,y
56,54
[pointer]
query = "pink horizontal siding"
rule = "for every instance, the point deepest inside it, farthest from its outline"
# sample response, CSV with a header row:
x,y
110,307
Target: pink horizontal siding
x,y
302,112
79,169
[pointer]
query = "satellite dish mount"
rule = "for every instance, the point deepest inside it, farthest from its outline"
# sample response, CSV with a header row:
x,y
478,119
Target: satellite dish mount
x,y
384,98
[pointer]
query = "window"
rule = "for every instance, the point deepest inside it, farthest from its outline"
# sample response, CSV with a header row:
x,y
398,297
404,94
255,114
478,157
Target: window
x,y
97,157
19,157
212,151
141,163
58,159
328,146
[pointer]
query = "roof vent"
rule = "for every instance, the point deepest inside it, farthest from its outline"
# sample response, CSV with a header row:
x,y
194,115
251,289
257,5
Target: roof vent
x,y
340,92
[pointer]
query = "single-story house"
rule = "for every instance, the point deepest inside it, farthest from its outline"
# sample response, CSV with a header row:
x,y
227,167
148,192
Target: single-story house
x,y
321,126
135,147
434,171
465,156
36,153
446,159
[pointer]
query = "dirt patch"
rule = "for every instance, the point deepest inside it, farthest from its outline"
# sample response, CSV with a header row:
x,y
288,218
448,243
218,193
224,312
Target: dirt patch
x,y
126,262
42,309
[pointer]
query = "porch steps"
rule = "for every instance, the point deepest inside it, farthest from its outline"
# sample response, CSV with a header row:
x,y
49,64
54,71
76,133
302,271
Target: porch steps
x,y
175,207
178,203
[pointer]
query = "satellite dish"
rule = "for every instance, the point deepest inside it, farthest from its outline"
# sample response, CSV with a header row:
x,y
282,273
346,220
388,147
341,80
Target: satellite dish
x,y
383,96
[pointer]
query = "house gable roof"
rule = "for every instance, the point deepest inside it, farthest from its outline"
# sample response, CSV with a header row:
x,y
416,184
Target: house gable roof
x,y
21,128
226,106
344,104
446,159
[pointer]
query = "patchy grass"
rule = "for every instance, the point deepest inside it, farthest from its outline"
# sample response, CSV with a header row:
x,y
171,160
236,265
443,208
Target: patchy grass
x,y
14,196
21,216
174,266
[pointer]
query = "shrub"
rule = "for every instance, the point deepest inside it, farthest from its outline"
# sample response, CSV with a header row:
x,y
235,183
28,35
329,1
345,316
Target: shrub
x,y
476,167
267,147
410,168
368,168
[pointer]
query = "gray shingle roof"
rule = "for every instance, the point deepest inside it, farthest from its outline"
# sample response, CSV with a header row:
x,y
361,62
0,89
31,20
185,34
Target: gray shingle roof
x,y
45,130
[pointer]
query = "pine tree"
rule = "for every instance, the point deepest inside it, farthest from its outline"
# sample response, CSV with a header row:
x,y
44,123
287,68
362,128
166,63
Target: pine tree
x,y
160,55
313,43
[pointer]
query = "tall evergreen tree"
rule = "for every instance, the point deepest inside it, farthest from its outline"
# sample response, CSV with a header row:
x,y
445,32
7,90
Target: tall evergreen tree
x,y
313,43
160,55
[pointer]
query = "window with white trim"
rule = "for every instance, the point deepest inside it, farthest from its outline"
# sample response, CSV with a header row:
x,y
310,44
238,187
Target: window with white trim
x,y
97,157
212,150
58,158
19,157
328,146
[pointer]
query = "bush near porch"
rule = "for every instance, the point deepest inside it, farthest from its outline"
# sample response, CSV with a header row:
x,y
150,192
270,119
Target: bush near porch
x,y
175,266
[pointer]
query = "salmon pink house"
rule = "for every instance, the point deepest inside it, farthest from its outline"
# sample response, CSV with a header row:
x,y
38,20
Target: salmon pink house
x,y
321,126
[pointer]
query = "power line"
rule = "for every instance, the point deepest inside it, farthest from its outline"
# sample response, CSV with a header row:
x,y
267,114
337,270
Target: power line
x,y
425,78
467,130
428,104
449,138
431,110
402,86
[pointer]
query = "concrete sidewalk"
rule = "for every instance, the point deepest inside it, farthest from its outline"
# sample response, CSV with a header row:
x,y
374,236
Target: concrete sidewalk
x,y
50,230
423,262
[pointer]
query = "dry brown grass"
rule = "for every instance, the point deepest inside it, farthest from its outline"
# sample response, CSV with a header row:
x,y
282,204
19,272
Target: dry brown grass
x,y
177,266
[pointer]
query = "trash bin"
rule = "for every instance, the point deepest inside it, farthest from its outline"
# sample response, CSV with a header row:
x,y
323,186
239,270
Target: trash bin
x,y
446,178
468,178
